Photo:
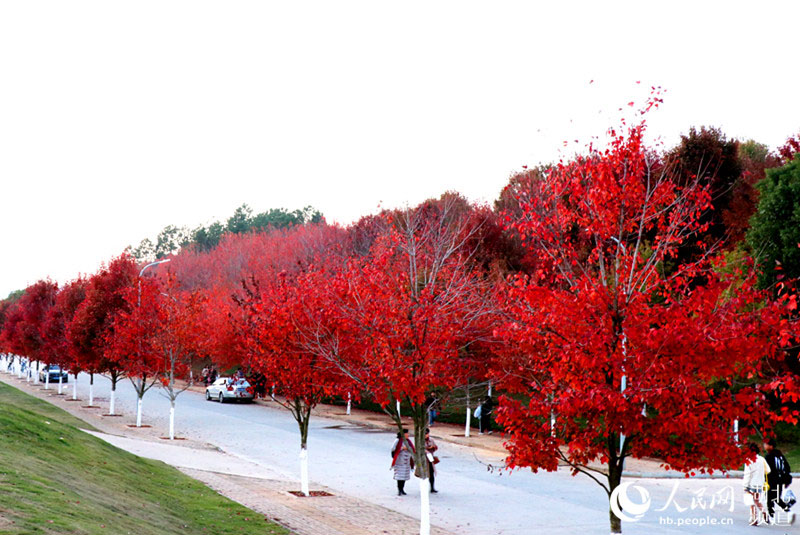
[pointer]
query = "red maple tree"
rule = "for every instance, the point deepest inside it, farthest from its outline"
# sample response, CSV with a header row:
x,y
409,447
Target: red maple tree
x,y
409,313
156,337
91,327
67,301
35,305
616,351
283,320
11,316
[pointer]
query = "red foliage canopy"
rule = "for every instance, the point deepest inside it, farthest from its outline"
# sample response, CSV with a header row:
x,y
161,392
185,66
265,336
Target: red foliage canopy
x,y
613,345
92,324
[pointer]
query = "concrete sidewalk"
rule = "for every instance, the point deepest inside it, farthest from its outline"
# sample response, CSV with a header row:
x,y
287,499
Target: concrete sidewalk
x,y
268,492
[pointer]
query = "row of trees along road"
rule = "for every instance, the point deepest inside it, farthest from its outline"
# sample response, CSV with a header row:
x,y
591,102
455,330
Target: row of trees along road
x,y
617,316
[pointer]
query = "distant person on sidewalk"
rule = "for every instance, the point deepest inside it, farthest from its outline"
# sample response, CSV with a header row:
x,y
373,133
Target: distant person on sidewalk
x,y
432,405
402,460
430,450
486,415
755,480
779,476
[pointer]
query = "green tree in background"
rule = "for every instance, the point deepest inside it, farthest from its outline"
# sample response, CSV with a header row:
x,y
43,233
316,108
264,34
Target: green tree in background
x,y
206,238
774,234
241,220
172,239
15,295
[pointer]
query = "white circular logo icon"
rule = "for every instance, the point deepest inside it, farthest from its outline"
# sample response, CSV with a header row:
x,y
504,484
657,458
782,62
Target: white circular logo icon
x,y
624,508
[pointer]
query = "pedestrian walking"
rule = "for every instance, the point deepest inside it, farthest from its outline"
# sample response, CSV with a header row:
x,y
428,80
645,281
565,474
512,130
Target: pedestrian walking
x,y
755,482
486,415
402,460
433,460
778,478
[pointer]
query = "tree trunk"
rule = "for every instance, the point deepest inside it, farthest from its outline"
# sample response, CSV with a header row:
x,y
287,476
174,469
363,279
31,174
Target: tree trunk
x,y
304,471
60,382
75,388
141,388
420,416
424,507
113,393
302,415
91,389
139,410
467,424
47,380
172,419
172,396
614,479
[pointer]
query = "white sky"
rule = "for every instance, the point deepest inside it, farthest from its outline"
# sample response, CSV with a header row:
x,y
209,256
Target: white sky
x,y
118,118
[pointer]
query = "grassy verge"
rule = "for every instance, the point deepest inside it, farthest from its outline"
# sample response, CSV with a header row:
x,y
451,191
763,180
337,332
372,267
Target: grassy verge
x,y
56,479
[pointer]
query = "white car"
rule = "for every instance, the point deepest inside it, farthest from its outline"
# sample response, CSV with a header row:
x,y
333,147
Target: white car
x,y
54,370
229,389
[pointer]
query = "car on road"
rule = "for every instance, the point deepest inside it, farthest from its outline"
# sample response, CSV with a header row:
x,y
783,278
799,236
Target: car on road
x,y
229,389
54,370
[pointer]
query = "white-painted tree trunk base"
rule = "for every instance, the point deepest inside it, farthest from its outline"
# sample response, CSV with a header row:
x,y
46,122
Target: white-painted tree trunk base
x,y
424,507
139,412
111,403
75,389
36,375
60,383
91,395
304,471
398,409
348,404
466,426
172,422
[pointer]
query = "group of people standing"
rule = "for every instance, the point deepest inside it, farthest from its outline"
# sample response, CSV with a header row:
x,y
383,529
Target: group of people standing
x,y
208,375
765,484
403,449
403,452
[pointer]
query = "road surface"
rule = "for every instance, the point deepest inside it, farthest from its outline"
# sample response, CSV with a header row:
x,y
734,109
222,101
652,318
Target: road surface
x,y
474,499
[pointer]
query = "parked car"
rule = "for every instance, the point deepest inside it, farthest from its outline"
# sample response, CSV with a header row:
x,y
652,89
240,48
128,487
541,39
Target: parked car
x,y
229,389
54,370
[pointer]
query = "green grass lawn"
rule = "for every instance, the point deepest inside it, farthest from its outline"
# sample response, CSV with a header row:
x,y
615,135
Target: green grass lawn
x,y
792,453
56,479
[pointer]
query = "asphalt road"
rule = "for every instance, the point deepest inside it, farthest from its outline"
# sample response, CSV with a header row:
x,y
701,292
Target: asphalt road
x,y
473,499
